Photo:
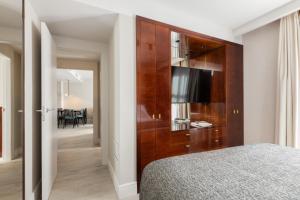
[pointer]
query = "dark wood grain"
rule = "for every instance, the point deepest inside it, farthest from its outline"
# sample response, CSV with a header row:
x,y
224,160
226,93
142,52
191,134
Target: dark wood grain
x,y
193,34
163,77
234,95
155,140
146,94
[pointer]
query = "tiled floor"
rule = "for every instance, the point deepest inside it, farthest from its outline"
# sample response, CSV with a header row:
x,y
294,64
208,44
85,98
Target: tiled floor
x,y
11,180
81,175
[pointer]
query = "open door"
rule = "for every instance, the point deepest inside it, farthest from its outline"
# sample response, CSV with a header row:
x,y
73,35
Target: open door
x,y
48,110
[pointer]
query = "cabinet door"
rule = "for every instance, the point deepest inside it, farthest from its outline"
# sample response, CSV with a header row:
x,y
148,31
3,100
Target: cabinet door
x,y
146,94
163,91
163,77
234,95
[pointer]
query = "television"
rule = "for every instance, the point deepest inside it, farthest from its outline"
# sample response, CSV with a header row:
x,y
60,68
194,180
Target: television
x,y
191,85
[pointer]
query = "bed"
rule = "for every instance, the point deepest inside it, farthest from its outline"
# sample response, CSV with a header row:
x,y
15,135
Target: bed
x,y
260,172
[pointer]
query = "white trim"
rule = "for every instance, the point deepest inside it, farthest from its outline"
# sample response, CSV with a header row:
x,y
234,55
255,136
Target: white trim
x,y
36,194
114,177
127,190
18,152
267,18
124,190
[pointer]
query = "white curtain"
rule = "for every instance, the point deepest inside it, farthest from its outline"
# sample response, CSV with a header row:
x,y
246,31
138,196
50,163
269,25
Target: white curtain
x,y
287,125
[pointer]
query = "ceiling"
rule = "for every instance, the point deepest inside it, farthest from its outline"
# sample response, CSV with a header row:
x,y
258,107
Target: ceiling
x,y
230,13
97,29
94,19
66,74
11,23
74,19
10,16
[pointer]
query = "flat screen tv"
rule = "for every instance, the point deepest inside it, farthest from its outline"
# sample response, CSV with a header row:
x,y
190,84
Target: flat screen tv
x,y
191,85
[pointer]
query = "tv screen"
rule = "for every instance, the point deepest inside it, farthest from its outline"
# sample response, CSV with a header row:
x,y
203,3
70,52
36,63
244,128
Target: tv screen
x,y
190,85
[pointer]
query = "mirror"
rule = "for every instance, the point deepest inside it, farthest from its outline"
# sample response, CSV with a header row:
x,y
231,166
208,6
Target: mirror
x,y
11,100
198,82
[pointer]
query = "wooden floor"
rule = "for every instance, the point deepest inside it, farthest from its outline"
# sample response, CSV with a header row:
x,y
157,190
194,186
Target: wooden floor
x,y
81,176
11,180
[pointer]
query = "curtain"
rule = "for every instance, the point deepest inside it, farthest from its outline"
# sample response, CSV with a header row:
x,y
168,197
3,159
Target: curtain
x,y
287,111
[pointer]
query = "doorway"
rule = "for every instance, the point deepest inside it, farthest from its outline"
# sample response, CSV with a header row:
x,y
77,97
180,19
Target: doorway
x,y
71,154
75,109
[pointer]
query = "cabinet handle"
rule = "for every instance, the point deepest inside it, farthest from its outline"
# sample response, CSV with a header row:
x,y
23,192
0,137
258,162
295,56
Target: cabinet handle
x,y
187,134
217,130
216,140
153,116
237,111
159,116
233,111
187,146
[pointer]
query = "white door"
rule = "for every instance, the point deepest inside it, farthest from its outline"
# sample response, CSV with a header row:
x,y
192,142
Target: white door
x,y
48,110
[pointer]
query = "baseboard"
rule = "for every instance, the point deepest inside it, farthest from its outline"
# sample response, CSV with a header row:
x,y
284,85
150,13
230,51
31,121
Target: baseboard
x,y
113,177
124,190
18,152
37,192
127,190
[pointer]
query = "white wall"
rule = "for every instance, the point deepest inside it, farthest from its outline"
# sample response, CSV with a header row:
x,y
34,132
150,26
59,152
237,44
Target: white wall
x,y
122,129
164,13
260,67
113,137
81,96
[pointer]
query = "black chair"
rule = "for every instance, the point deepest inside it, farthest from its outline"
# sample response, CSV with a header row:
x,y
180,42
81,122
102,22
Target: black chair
x,y
60,117
85,115
80,116
69,116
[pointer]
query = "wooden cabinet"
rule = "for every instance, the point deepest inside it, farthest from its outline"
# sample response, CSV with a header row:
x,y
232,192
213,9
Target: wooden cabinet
x,y
234,95
153,93
155,140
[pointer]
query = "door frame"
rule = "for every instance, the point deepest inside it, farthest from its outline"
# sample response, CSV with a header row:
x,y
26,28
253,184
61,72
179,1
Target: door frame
x,y
87,64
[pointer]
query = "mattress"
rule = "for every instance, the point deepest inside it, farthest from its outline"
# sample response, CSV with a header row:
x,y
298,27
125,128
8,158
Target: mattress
x,y
260,172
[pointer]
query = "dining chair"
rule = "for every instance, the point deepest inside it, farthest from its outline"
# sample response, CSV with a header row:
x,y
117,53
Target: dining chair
x,y
69,116
80,116
60,117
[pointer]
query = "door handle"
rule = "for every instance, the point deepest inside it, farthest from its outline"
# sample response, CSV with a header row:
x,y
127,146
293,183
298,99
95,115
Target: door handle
x,y
47,110
50,109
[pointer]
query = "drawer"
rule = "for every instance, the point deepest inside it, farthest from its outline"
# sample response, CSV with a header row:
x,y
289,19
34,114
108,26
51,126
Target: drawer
x,y
208,139
216,138
183,137
179,149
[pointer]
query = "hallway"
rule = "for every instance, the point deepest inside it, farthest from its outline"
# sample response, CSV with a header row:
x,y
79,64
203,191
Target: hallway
x,y
10,180
81,175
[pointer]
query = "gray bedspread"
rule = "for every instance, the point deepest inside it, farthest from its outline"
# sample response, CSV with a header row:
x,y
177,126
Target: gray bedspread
x,y
262,171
